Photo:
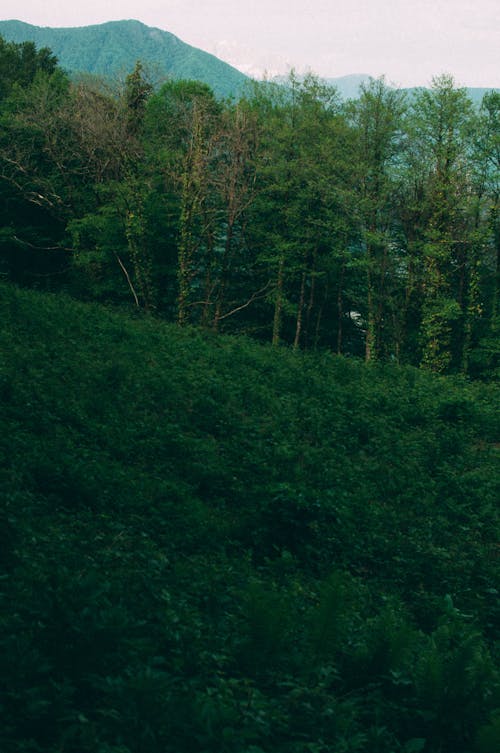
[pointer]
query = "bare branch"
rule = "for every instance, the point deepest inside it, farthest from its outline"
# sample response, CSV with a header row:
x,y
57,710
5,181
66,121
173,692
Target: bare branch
x,y
41,248
200,303
255,296
124,270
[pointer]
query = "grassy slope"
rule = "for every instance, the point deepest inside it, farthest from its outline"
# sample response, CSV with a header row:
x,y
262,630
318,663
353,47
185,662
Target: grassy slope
x,y
174,507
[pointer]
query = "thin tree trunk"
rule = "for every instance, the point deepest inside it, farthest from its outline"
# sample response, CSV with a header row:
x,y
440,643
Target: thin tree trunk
x,y
226,265
310,304
208,273
191,199
184,262
340,306
319,317
380,343
370,342
278,305
298,326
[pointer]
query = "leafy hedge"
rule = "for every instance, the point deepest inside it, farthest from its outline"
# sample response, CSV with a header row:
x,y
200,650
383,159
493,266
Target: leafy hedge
x,y
211,545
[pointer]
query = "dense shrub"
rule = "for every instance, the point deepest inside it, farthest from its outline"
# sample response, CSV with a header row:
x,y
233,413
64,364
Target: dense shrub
x,y
210,545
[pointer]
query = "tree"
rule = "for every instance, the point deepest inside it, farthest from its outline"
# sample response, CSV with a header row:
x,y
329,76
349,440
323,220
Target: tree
x,y
20,63
232,179
109,130
442,119
34,192
137,92
377,117
484,355
296,215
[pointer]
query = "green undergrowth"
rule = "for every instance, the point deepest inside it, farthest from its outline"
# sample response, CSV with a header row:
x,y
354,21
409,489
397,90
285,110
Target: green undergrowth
x,y
209,545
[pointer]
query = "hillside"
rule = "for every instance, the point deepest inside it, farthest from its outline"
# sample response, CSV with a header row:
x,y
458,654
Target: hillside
x,y
114,47
208,544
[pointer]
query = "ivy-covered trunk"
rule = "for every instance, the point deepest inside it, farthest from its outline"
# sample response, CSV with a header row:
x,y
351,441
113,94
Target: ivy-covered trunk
x,y
192,198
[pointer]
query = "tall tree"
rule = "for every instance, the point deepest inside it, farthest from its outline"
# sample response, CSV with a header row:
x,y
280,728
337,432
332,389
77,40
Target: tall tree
x,y
377,116
297,189
20,63
442,119
34,202
486,354
232,180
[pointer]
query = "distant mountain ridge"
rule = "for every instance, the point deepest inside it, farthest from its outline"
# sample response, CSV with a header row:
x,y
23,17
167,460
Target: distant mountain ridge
x,y
348,86
114,47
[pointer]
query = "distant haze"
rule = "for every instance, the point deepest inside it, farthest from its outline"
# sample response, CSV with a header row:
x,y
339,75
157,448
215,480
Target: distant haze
x,y
407,42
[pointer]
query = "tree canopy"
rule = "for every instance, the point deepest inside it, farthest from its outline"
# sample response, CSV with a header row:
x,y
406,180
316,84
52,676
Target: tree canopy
x,y
368,227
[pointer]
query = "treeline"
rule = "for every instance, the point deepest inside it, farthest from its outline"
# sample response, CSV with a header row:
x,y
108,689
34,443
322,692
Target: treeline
x,y
369,227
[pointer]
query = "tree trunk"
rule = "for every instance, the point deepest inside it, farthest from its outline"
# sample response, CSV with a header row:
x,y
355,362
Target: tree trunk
x,y
298,325
319,317
370,339
310,304
224,279
340,306
191,198
278,305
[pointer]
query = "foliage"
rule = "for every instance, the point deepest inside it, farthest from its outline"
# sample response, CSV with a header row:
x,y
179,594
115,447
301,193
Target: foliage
x,y
19,64
208,544
368,227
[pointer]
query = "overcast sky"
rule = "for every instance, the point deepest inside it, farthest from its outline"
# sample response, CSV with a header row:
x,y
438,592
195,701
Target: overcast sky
x,y
409,42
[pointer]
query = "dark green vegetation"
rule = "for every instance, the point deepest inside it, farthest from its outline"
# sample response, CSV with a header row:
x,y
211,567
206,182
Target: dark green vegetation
x,y
210,544
213,545
112,49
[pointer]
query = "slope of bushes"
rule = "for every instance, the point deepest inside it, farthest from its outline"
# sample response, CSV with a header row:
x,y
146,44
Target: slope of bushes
x,y
210,545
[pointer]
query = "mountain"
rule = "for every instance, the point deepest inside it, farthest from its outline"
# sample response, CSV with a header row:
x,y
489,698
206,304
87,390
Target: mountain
x,y
113,48
348,86
254,62
475,94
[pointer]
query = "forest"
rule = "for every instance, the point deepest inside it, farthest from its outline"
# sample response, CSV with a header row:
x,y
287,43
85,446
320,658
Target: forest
x,y
249,435
370,228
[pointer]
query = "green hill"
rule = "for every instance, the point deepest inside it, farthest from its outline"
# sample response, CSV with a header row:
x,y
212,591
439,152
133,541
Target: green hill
x,y
114,47
212,545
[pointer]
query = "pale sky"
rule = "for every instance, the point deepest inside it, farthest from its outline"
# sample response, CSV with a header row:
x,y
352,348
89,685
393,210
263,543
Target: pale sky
x,y
409,42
